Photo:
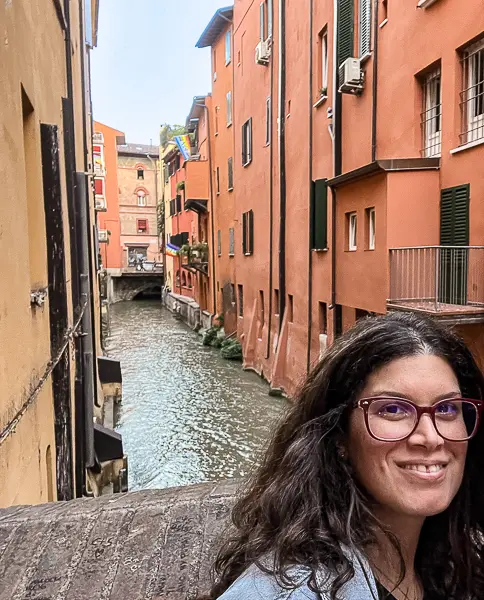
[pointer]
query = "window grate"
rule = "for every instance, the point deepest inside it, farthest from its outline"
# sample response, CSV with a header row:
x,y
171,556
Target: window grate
x,y
431,116
472,95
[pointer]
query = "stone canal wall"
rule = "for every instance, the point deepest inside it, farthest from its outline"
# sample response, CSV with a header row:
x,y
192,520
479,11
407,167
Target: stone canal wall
x,y
188,310
154,545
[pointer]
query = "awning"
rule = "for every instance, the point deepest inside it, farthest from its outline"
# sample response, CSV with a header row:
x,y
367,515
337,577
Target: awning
x,y
108,444
198,206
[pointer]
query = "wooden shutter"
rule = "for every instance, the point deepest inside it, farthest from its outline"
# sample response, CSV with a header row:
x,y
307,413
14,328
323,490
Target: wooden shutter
x,y
251,231
364,33
244,144
345,30
231,242
230,163
454,216
244,233
319,215
249,141
219,242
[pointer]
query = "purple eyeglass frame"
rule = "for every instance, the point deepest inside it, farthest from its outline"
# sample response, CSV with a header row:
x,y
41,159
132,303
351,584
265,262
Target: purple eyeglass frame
x,y
365,403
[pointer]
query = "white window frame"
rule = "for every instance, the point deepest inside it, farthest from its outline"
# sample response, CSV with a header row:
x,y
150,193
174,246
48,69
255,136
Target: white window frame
x,y
324,62
141,198
474,91
247,138
228,47
364,28
371,229
229,108
432,114
268,121
352,231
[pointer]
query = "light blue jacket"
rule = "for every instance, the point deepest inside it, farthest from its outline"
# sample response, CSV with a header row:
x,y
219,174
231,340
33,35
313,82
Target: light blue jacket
x,y
253,584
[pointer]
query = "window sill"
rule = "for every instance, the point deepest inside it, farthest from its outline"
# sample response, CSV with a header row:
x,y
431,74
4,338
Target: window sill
x,y
467,146
320,250
246,164
351,250
230,189
425,3
383,23
364,58
229,125
320,101
231,255
248,254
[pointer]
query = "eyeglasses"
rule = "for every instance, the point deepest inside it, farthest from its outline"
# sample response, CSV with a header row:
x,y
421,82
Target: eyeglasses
x,y
395,419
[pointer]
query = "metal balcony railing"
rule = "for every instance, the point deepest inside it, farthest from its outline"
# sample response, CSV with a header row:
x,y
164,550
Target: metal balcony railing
x,y
437,278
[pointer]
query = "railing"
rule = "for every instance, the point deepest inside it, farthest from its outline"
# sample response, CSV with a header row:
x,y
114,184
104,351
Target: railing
x,y
435,277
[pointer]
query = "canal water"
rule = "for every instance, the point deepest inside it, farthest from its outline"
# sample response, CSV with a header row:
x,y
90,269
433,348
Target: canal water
x,y
187,415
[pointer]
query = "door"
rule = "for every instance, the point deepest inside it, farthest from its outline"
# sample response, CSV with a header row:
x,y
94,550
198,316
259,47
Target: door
x,y
454,232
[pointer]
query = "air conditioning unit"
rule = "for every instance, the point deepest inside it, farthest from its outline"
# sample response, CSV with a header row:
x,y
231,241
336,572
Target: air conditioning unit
x,y
100,203
103,236
351,77
263,52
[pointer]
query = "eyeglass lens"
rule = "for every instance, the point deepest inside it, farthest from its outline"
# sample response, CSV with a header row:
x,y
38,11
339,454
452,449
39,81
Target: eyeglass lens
x,y
391,419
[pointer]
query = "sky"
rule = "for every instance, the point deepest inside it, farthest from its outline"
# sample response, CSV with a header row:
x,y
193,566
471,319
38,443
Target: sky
x,y
146,69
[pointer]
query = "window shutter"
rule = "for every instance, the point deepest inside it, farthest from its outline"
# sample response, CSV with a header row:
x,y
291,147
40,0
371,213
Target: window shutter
x,y
249,150
219,242
454,216
244,144
230,163
231,241
262,21
345,30
184,238
244,233
364,33
251,231
319,215
178,204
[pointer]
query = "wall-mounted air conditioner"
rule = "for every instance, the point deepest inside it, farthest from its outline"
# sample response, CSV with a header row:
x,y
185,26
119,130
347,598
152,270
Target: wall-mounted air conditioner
x,y
103,236
351,77
263,52
100,203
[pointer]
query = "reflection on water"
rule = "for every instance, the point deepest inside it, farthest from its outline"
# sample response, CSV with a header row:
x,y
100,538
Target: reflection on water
x,y
187,415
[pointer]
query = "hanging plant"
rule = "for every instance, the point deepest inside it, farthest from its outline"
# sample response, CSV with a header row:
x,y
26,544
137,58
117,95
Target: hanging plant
x,y
180,186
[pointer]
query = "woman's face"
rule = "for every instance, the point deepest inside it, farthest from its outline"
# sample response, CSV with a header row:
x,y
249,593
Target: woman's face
x,y
388,470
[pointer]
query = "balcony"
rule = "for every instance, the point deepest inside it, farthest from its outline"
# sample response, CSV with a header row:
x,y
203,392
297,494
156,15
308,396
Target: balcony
x,y
100,204
197,185
442,281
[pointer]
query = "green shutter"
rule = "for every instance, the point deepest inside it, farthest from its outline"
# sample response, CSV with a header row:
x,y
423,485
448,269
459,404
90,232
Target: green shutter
x,y
346,30
251,231
454,216
319,215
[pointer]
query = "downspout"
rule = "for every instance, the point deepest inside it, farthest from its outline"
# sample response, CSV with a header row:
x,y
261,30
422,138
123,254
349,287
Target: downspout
x,y
214,287
282,161
375,82
271,202
310,253
337,160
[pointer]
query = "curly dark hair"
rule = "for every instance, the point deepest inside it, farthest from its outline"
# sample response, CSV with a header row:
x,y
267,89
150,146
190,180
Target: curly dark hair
x,y
303,503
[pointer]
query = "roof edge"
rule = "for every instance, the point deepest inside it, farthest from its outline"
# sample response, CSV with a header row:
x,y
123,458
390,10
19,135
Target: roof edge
x,y
213,29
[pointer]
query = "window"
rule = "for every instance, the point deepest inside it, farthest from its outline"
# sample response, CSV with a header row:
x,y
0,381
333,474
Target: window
x,y
276,302
431,120
142,225
230,165
231,241
141,198
261,316
268,121
172,208
351,228
323,318
364,30
319,215
228,47
136,254
141,173
247,143
178,204
290,308
338,320
265,20
371,228
177,162
240,291
384,5
323,61
214,64
217,108
219,243
472,96
217,176
229,108
248,232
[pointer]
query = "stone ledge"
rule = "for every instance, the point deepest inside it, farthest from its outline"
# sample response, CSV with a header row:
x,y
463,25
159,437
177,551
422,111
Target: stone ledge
x,y
150,545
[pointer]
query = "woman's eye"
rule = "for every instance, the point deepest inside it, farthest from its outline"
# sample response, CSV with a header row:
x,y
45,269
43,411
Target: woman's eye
x,y
392,409
448,408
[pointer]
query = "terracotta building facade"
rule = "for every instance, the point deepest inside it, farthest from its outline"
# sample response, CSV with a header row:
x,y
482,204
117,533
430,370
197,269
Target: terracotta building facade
x,y
354,131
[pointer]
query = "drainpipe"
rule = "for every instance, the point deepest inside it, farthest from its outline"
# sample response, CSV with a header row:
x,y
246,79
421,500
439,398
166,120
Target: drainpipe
x,y
271,202
214,287
282,161
375,81
310,253
337,159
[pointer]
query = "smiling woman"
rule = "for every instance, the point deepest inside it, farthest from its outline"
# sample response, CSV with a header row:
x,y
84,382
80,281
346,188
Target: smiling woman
x,y
372,487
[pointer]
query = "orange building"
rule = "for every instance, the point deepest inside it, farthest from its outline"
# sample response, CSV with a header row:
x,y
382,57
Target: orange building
x,y
357,143
105,141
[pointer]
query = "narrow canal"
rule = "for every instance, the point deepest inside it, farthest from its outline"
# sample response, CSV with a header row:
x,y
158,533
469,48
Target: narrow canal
x,y
187,415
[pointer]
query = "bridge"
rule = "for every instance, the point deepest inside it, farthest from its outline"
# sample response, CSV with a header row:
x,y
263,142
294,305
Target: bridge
x,y
154,544
129,283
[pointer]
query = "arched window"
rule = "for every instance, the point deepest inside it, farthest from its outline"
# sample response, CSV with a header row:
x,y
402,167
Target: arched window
x,y
140,172
189,280
141,198
183,279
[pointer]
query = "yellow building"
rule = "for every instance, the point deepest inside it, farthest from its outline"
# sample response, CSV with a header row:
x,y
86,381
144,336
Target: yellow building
x,y
50,390
169,261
